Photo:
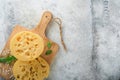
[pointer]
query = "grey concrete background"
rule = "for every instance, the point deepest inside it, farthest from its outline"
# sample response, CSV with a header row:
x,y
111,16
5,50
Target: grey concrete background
x,y
91,31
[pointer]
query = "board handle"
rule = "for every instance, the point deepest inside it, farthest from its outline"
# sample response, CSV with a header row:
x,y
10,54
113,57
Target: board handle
x,y
46,18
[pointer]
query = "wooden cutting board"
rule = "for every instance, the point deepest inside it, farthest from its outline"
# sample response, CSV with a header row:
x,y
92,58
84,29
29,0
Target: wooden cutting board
x,y
40,30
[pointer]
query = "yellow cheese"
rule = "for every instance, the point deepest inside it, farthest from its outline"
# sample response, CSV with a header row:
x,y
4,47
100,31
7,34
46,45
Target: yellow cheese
x,y
44,67
27,70
26,45
37,69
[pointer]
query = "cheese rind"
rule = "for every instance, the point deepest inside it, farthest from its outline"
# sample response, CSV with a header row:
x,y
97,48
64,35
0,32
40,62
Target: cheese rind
x,y
26,45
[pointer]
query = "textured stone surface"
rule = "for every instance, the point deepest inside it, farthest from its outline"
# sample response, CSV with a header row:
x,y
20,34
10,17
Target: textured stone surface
x,y
91,30
106,15
77,32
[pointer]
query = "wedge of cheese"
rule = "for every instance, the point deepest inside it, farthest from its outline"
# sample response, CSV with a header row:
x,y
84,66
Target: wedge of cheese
x,y
26,46
44,67
27,70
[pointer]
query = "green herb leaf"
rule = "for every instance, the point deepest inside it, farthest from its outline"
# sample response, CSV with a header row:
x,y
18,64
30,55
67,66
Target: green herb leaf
x,y
7,60
49,45
48,52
